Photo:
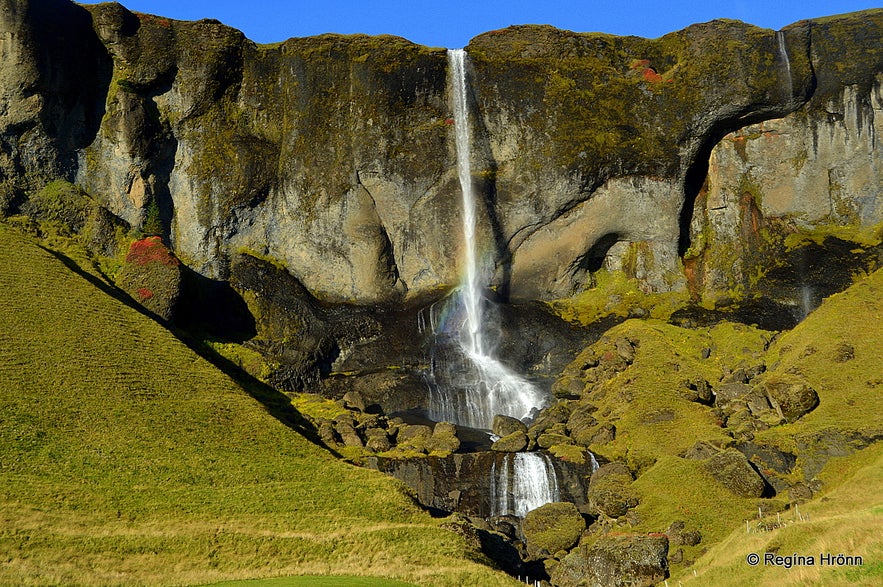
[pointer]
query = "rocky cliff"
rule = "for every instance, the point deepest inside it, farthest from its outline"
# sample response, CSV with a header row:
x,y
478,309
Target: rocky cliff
x,y
333,155
302,198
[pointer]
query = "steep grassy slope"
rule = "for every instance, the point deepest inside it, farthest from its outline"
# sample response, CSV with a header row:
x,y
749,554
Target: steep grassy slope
x,y
837,351
644,377
844,521
127,459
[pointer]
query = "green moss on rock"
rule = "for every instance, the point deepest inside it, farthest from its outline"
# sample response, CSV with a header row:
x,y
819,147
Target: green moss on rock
x,y
552,527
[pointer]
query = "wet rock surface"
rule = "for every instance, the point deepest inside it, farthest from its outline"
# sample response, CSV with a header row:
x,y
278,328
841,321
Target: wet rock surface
x,y
463,482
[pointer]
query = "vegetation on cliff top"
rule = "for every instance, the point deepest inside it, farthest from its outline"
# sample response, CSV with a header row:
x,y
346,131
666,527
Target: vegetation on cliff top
x,y
627,105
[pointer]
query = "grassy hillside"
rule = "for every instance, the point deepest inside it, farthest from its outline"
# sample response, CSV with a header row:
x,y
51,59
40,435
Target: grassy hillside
x,y
836,350
845,521
127,459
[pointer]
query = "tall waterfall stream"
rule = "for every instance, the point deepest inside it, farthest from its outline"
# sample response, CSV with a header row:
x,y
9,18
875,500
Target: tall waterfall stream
x,y
469,385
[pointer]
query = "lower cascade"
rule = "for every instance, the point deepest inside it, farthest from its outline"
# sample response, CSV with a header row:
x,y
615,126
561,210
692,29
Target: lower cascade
x,y
521,482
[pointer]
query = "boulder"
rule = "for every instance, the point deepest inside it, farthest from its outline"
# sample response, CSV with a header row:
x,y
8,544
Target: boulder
x,y
506,425
413,437
554,414
551,528
700,451
515,442
791,396
678,535
610,492
732,470
151,275
327,433
444,439
698,390
353,400
613,561
377,439
625,349
549,439
726,394
568,387
581,424
348,434
604,434
571,453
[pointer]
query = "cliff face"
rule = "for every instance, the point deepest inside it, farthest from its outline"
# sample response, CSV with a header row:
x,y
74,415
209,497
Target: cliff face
x,y
334,155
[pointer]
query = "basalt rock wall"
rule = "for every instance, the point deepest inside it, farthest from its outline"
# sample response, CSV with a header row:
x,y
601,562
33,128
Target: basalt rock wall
x,y
334,157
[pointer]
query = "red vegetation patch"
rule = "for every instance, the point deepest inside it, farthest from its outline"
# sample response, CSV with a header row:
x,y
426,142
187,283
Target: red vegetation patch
x,y
152,19
150,250
143,294
651,76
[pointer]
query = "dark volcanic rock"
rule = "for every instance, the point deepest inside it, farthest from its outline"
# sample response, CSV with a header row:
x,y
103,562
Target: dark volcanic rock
x,y
152,276
609,491
513,442
732,470
462,482
614,561
506,425
791,396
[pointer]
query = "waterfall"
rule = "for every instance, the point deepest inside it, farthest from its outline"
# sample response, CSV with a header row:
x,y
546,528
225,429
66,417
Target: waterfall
x,y
806,302
783,58
468,385
523,482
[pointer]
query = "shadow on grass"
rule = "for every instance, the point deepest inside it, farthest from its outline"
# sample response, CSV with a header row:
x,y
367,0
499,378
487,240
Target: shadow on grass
x,y
276,403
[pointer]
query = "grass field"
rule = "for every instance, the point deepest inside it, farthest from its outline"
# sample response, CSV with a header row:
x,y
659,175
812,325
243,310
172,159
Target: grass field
x,y
846,521
128,459
314,581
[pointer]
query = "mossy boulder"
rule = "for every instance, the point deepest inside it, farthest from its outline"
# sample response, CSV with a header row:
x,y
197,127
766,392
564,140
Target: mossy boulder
x,y
444,439
610,493
582,425
570,453
151,274
557,413
514,442
791,395
548,439
615,561
732,470
506,425
62,203
414,437
551,528
377,439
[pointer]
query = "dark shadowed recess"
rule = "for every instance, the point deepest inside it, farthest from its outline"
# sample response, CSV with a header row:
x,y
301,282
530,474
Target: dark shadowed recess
x,y
213,308
76,72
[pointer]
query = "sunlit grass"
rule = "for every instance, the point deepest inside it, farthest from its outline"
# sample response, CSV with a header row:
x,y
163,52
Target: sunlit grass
x,y
846,520
128,459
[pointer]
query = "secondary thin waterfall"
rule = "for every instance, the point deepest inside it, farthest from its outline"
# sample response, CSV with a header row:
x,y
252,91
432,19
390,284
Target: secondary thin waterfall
x,y
783,57
468,385
523,482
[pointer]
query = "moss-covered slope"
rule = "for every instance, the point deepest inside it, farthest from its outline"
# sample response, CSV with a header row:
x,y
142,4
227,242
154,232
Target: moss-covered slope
x,y
718,423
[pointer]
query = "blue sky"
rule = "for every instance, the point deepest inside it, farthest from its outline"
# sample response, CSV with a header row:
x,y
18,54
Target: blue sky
x,y
451,24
